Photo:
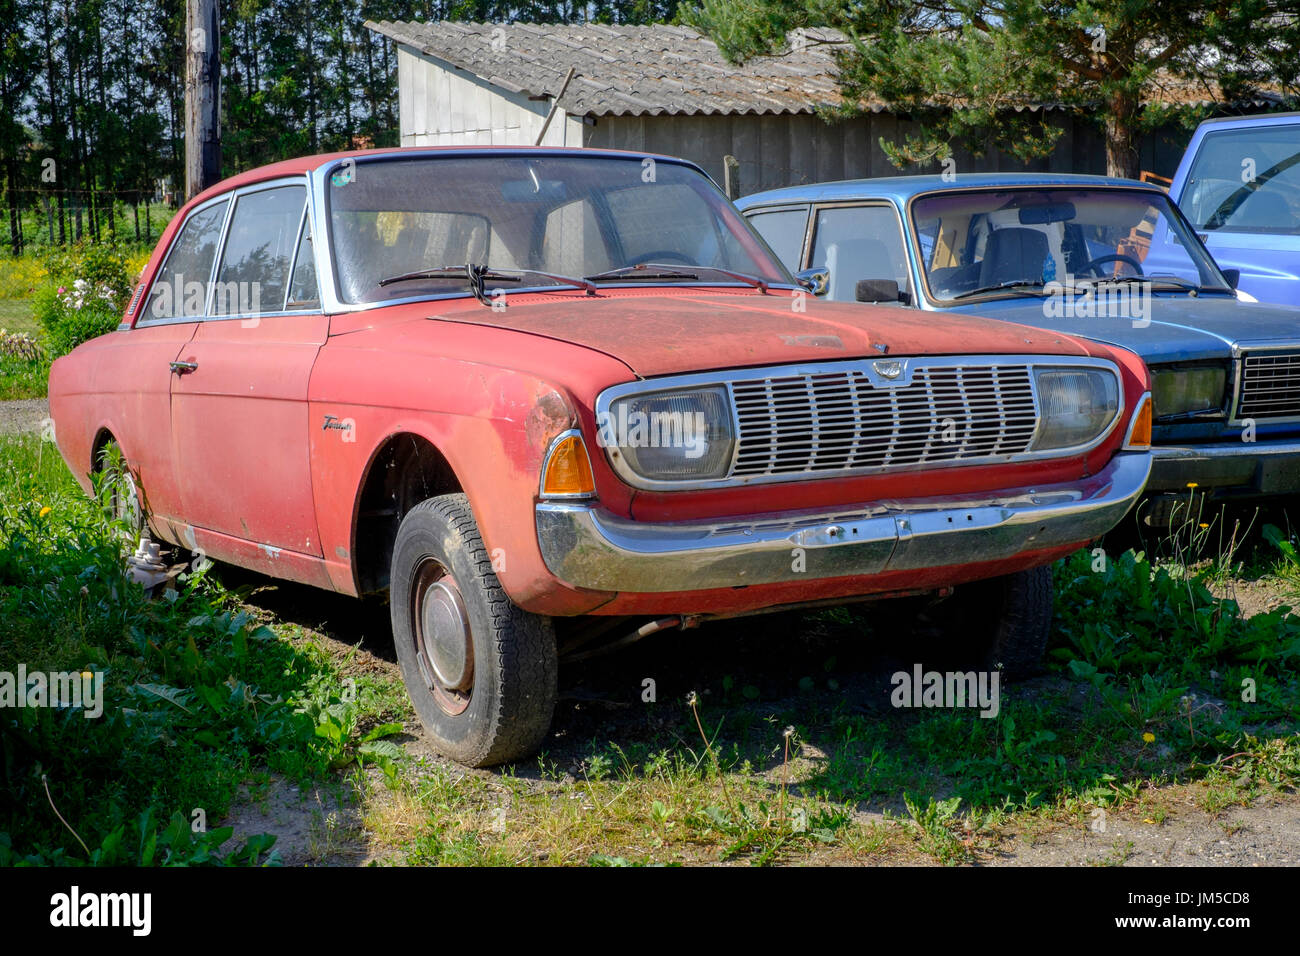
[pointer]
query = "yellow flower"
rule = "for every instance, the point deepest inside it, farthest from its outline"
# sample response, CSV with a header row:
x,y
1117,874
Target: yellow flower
x,y
1149,737
44,511
1192,484
1204,525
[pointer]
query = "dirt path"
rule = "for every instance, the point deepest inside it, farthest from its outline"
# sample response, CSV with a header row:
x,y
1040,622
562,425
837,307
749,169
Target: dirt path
x,y
23,415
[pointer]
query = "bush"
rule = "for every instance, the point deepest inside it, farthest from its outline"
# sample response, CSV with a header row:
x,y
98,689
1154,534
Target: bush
x,y
85,296
20,277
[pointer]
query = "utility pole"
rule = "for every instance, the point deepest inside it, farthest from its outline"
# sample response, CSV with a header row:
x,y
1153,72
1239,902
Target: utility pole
x,y
202,96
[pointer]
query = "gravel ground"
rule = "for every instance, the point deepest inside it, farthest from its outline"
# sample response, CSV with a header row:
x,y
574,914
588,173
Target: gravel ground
x,y
23,415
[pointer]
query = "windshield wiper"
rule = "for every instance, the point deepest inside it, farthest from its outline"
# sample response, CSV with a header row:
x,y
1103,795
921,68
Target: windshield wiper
x,y
1177,281
1019,286
673,272
478,275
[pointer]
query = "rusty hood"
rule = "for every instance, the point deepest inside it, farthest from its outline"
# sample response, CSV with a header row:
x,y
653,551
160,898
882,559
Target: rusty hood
x,y
663,333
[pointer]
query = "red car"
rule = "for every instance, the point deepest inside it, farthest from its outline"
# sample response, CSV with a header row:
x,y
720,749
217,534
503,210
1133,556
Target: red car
x,y
542,397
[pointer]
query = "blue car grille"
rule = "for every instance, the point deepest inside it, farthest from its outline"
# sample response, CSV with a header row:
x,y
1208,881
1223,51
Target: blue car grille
x,y
837,420
1270,385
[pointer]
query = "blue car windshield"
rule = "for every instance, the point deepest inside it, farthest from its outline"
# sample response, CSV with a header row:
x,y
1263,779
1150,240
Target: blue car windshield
x,y
1016,241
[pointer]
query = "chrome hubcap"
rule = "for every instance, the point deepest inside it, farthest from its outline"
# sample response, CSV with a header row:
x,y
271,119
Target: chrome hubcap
x,y
442,637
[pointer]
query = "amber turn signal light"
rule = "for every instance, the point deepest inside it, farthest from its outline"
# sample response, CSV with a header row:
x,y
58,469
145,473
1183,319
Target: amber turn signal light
x,y
568,470
1139,432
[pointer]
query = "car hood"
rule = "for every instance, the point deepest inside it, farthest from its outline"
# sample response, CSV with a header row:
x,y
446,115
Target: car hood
x,y
1182,327
666,333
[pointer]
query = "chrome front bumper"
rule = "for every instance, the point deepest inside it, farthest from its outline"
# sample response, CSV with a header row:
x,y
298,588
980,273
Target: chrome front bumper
x,y
589,548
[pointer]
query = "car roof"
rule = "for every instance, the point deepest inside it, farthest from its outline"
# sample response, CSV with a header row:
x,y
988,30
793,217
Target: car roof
x,y
1247,122
307,164
902,188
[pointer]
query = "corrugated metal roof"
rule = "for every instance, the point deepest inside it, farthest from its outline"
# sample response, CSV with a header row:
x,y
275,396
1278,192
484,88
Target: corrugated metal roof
x,y
628,70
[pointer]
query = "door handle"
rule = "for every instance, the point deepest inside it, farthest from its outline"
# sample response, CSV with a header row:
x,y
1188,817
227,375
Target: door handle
x,y
180,368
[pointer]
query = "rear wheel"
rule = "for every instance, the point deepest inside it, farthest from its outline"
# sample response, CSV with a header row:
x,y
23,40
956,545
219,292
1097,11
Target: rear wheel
x,y
480,671
119,490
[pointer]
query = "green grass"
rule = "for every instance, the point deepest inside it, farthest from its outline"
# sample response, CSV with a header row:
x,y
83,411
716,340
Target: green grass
x,y
16,316
196,696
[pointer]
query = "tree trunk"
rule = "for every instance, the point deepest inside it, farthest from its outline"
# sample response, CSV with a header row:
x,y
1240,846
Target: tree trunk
x,y
1121,136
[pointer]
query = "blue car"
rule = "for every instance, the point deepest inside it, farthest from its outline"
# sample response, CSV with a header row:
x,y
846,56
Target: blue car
x,y
1239,185
1110,259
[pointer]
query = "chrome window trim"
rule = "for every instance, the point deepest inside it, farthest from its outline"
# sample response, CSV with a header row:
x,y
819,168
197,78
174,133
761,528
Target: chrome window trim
x,y
1237,369
911,364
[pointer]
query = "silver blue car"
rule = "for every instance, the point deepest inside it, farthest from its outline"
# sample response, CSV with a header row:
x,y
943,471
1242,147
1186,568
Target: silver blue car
x,y
1239,184
1110,259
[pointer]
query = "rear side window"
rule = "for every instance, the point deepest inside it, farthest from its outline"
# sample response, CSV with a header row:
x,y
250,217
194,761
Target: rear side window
x,y
263,237
782,230
1246,180
181,287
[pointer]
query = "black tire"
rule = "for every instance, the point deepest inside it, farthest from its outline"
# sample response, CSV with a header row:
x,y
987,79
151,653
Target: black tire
x,y
999,624
1022,607
487,699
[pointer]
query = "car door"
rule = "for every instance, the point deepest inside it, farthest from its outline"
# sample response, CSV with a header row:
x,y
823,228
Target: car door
x,y
239,399
142,362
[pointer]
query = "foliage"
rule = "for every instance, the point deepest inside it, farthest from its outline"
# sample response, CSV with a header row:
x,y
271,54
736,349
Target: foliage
x,y
85,295
195,693
967,70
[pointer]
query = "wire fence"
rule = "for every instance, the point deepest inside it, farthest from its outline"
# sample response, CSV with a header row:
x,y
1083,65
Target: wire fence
x,y
37,218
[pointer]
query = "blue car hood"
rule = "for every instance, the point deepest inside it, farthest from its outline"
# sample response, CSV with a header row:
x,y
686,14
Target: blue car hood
x,y
1182,327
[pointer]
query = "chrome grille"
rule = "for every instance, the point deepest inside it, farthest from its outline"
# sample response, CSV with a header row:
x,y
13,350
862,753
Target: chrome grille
x,y
1270,385
834,420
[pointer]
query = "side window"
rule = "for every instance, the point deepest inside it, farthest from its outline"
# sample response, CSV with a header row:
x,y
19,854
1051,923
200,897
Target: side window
x,y
782,230
303,293
254,272
859,242
181,287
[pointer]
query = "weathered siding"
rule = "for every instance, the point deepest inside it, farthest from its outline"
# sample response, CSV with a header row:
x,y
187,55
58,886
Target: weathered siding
x,y
785,150
441,105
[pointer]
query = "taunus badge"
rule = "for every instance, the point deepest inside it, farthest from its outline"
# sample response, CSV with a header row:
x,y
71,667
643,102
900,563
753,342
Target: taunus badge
x,y
888,368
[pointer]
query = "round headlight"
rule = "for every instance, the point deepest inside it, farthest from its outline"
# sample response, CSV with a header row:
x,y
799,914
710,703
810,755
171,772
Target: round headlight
x,y
677,435
1076,405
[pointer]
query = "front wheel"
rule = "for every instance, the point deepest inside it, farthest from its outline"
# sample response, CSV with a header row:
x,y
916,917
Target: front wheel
x,y
480,671
1001,624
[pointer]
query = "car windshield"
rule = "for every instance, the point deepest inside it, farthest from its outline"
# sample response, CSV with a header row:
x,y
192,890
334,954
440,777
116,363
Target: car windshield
x,y
1246,180
408,227
1016,242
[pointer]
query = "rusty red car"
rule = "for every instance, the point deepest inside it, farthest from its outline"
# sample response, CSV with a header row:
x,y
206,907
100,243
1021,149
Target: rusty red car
x,y
547,398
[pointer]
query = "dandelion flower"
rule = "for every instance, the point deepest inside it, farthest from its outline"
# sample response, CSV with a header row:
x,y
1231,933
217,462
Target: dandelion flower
x,y
1149,737
1192,484
44,511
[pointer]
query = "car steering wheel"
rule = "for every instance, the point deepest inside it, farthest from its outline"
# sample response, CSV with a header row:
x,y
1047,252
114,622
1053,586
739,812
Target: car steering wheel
x,y
1114,257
